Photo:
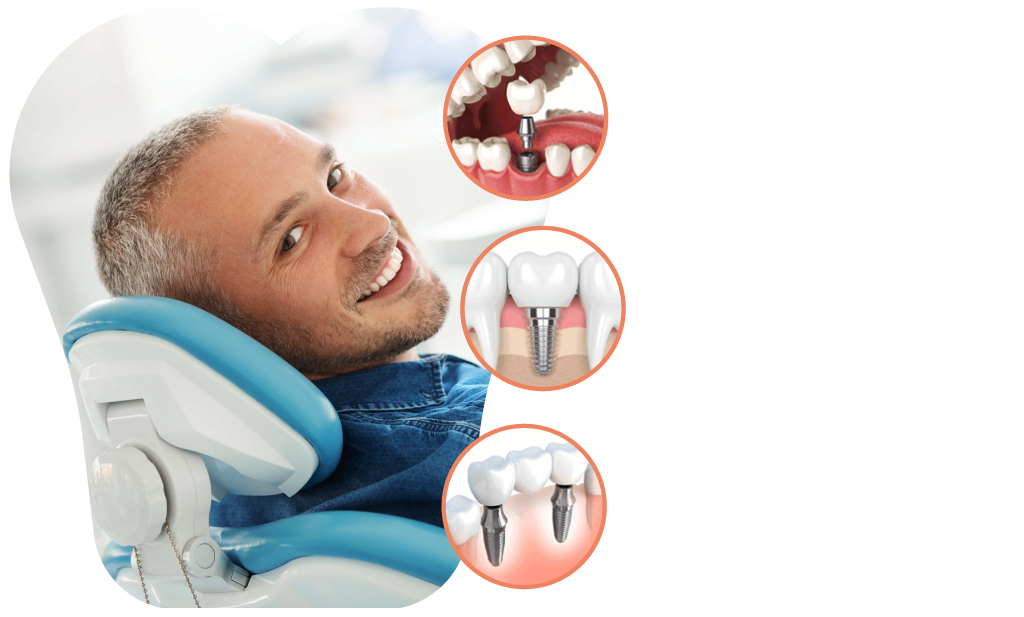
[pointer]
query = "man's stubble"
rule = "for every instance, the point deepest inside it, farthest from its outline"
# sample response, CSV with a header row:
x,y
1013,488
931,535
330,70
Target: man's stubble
x,y
340,346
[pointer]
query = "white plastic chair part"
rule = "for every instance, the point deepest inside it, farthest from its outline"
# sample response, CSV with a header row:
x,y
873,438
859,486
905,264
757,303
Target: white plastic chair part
x,y
186,485
304,582
127,496
193,408
210,568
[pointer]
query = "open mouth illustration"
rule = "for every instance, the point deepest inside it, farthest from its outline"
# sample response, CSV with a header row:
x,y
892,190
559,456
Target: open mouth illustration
x,y
491,126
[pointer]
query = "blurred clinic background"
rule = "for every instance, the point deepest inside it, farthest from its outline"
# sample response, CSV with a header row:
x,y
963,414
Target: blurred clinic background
x,y
372,82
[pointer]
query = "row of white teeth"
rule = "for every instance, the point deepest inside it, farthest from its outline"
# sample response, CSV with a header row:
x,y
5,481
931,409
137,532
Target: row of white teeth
x,y
525,471
549,281
495,154
487,69
390,272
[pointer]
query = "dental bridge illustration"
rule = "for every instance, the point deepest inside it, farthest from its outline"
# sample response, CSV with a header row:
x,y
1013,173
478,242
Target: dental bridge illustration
x,y
178,407
526,471
542,286
490,119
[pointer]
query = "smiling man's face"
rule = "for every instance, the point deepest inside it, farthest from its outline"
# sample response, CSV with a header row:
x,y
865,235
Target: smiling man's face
x,y
296,241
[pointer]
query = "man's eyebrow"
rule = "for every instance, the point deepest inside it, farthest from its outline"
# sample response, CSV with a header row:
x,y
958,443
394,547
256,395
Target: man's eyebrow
x,y
324,161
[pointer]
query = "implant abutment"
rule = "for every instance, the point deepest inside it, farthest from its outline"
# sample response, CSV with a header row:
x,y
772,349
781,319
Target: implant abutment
x,y
493,523
528,160
543,329
562,501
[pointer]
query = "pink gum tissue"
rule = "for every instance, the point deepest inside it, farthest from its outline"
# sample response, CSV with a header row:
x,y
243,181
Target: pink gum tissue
x,y
572,316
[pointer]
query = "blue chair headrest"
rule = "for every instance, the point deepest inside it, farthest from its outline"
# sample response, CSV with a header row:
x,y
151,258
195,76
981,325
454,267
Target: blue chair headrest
x,y
239,358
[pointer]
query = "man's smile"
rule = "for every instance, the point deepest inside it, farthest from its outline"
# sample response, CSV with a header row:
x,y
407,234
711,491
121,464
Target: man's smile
x,y
400,277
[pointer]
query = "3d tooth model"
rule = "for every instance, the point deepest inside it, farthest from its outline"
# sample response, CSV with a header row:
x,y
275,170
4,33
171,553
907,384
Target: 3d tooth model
x,y
567,467
525,100
485,297
602,304
542,286
491,482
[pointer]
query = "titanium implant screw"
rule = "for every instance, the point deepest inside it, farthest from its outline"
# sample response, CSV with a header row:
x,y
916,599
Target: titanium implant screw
x,y
562,501
493,523
542,335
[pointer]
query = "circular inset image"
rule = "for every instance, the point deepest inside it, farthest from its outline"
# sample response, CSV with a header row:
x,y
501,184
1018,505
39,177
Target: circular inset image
x,y
524,120
524,506
543,308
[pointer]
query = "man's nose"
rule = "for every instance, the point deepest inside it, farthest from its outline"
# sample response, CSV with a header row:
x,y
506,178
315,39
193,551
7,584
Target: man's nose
x,y
360,227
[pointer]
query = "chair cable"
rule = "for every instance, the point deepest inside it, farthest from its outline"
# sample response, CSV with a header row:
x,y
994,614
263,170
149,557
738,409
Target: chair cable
x,y
138,562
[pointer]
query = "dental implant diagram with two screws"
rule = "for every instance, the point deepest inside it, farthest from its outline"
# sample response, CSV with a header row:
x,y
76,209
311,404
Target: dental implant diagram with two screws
x,y
493,480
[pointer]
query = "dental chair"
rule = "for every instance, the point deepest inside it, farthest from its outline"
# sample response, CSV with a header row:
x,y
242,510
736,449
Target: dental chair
x,y
177,408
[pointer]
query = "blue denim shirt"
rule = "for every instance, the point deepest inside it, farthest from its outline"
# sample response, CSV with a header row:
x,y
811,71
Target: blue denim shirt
x,y
403,426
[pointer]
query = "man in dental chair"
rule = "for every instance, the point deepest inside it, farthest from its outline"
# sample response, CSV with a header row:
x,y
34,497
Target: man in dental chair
x,y
259,224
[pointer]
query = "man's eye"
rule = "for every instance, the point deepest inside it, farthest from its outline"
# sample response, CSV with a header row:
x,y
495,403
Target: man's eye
x,y
291,239
334,178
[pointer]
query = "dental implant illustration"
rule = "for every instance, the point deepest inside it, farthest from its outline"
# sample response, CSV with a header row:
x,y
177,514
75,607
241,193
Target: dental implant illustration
x,y
543,286
567,467
526,99
491,482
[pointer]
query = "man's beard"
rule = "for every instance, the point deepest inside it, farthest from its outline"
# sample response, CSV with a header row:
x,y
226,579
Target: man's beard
x,y
316,350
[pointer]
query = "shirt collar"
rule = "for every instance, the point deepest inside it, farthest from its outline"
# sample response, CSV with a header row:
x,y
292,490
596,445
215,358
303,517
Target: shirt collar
x,y
394,386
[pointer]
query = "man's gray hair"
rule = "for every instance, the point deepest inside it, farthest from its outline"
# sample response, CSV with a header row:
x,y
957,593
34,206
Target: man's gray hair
x,y
133,257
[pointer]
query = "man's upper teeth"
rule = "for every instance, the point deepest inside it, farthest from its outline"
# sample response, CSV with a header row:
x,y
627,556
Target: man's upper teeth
x,y
533,468
556,72
391,269
520,51
567,464
490,66
492,480
463,516
494,153
525,98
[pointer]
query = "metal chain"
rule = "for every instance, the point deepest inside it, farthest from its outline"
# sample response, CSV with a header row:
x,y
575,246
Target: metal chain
x,y
194,599
138,562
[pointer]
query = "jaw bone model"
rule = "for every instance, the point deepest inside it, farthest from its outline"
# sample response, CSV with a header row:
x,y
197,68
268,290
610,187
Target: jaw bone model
x,y
602,304
567,467
543,286
491,482
489,120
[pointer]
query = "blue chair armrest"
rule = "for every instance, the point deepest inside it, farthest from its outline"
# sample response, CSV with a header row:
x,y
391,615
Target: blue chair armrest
x,y
405,545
